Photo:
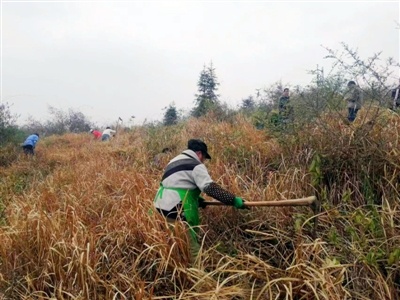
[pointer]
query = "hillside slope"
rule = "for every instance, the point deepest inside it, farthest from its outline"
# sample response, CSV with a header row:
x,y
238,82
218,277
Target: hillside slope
x,y
76,219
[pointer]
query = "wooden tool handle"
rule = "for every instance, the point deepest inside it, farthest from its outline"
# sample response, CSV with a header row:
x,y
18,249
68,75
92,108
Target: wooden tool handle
x,y
289,202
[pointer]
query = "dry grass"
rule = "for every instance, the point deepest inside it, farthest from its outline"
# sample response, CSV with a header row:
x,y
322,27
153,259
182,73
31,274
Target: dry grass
x,y
77,221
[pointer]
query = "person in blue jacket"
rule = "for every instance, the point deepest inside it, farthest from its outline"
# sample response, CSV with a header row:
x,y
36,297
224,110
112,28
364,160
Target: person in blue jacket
x,y
30,143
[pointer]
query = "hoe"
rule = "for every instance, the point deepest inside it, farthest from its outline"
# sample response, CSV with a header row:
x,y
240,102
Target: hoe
x,y
308,201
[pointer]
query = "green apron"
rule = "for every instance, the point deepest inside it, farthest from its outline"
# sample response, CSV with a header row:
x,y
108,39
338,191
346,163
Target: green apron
x,y
190,203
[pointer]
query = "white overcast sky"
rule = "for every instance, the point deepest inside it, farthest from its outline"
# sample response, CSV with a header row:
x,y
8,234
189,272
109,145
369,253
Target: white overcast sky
x,y
113,59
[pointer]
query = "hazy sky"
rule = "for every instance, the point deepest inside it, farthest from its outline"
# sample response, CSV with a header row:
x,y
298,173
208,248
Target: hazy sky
x,y
113,59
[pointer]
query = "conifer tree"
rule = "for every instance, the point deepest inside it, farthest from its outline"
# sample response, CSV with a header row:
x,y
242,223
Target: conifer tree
x,y
170,115
207,98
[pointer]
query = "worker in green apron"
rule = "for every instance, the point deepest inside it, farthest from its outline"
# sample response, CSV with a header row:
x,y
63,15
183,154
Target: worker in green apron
x,y
184,178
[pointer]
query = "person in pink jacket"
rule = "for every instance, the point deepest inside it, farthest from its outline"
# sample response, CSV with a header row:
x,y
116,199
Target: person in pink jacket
x,y
97,134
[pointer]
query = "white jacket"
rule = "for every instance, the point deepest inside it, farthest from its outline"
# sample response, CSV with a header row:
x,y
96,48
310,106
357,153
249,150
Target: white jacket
x,y
185,171
108,131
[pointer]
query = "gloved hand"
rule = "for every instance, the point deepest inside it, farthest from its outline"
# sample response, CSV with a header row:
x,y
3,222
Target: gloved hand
x,y
239,203
202,202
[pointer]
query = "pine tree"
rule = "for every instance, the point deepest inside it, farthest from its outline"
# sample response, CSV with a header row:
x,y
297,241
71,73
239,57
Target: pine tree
x,y
207,98
170,115
248,104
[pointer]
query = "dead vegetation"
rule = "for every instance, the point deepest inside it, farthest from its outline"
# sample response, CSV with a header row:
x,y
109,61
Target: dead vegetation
x,y
77,223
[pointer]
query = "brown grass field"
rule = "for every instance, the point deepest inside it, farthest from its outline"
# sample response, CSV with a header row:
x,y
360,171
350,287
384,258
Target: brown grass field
x,y
76,220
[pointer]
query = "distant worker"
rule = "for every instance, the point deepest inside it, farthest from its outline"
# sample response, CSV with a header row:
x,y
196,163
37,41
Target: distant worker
x,y
396,97
353,96
30,143
178,197
161,157
107,134
97,134
285,109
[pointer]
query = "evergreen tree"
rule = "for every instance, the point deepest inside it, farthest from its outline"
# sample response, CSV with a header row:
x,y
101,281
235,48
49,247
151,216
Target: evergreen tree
x,y
248,104
170,116
207,98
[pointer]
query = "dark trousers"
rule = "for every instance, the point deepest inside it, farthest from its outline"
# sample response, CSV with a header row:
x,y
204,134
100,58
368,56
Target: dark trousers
x,y
352,114
28,149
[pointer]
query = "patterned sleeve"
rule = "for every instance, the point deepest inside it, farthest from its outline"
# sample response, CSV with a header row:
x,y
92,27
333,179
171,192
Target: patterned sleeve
x,y
217,192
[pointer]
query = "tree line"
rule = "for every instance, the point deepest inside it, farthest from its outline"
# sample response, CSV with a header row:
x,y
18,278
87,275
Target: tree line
x,y
374,75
